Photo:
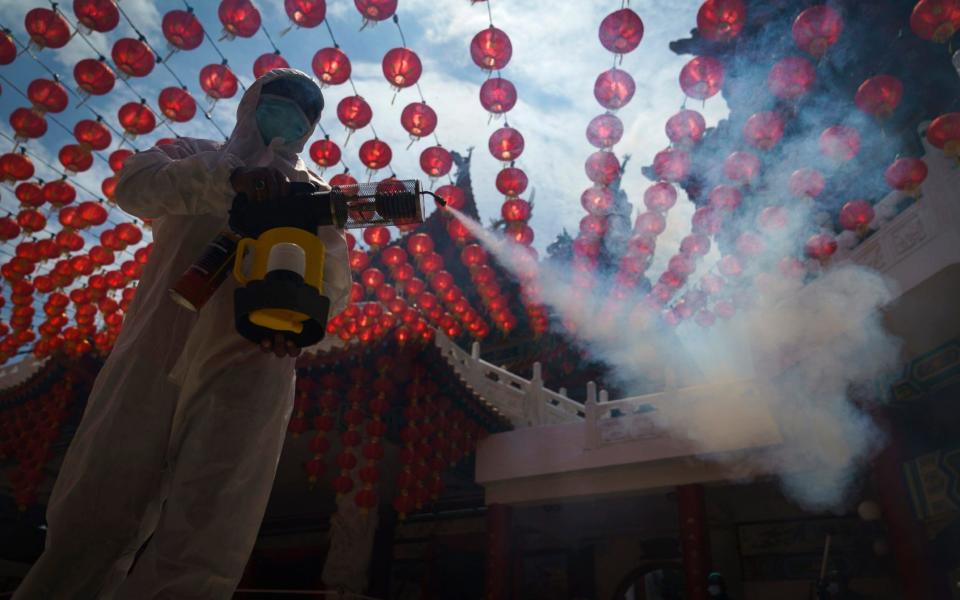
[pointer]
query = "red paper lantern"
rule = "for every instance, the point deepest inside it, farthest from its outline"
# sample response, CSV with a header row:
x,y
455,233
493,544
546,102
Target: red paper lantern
x,y
721,20
816,29
30,194
613,89
117,157
354,112
879,96
741,167
935,20
16,166
239,17
506,144
342,179
491,49
695,244
650,224
621,31
97,15
498,95
604,130
94,76
182,29
331,66
473,256
218,81
9,229
133,57
8,49
75,158
841,143
419,244
602,167
453,196
686,128
325,153
660,197
177,104
306,13
376,10
820,246
597,200
944,133
31,220
418,119
791,78
806,183
401,67
436,161
457,231
706,221
268,62
136,118
681,265
47,96
764,130
671,164
856,215
905,175
724,197
59,193
702,77
47,28
521,234
27,124
109,187
93,134
773,217
511,181
376,237
515,209
128,233
375,154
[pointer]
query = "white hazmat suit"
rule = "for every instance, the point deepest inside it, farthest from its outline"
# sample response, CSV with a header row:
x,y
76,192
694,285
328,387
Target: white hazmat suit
x,y
184,426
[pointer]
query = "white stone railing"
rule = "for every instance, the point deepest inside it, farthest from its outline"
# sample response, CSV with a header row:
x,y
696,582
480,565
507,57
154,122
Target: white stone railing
x,y
18,372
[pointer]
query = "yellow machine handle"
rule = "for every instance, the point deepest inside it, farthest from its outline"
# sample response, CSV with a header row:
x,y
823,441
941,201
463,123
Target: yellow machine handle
x,y
238,263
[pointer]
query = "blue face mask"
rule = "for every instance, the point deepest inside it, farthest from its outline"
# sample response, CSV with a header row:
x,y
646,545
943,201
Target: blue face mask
x,y
280,118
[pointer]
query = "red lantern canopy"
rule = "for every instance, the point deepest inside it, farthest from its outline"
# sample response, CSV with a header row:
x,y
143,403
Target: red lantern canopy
x,y
47,96
16,166
59,193
325,153
724,197
8,49
905,175
597,200
136,118
511,181
401,67
177,104
686,128
604,130
218,81
816,29
30,194
879,96
650,224
660,197
491,49
764,130
436,161
791,78
671,164
27,124
856,215
820,246
94,76
841,143
117,157
47,28
133,57
376,10
182,29
944,133
331,66
418,119
239,17
602,167
702,77
92,134
268,62
97,15
75,158
354,113
613,89
935,20
498,95
31,220
621,31
741,167
306,13
506,144
806,183
721,20
375,154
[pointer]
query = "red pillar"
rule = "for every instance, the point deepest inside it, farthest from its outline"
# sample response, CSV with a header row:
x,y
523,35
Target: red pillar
x,y
694,540
498,552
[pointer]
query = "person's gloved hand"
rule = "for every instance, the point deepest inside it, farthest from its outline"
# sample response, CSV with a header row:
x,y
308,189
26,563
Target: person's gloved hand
x,y
260,183
279,346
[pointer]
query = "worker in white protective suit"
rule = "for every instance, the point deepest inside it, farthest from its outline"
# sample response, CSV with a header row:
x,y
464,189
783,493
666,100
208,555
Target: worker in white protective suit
x,y
176,454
